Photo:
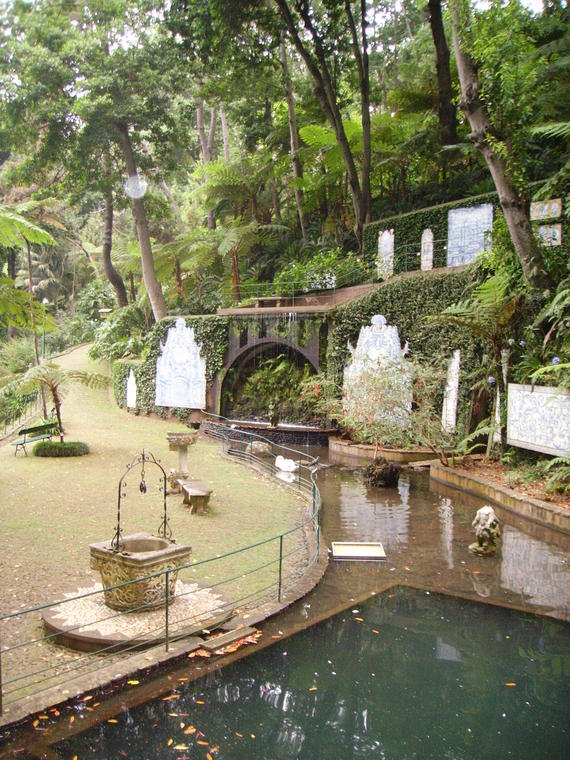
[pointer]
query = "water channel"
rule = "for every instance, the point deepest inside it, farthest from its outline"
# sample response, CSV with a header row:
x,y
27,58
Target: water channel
x,y
408,658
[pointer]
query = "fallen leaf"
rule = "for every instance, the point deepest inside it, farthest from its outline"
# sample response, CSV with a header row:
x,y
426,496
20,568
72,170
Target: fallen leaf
x,y
170,742
35,723
199,702
190,730
86,699
252,736
238,734
511,683
313,688
360,620
180,746
72,719
171,696
202,743
112,720
374,630
134,682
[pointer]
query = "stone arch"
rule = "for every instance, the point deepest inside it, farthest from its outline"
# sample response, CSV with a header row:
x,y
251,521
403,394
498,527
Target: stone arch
x,y
239,357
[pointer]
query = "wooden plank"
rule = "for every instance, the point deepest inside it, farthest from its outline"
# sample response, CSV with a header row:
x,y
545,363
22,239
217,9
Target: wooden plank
x,y
227,638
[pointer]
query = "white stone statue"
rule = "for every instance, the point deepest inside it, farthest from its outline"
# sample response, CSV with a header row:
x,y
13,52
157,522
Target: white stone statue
x,y
385,260
487,531
378,353
180,370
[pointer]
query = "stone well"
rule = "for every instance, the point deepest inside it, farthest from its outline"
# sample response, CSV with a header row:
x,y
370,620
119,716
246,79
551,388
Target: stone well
x,y
137,556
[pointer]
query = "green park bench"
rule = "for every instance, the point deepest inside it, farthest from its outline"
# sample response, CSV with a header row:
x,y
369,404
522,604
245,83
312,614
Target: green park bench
x,y
35,433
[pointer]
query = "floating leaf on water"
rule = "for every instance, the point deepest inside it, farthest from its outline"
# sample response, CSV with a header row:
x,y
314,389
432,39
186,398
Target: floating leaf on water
x,y
202,743
375,630
190,730
180,746
170,696
238,734
360,620
511,683
73,718
87,698
134,682
252,736
112,720
199,702
313,688
182,724
170,742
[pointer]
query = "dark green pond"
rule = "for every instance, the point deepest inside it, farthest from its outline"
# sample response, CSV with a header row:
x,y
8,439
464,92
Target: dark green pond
x,y
405,675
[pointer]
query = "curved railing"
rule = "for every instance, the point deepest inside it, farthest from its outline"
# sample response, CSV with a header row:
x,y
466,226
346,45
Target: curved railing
x,y
244,578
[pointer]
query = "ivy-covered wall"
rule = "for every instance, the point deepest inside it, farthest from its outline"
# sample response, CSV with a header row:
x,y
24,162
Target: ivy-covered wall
x,y
408,230
406,301
212,335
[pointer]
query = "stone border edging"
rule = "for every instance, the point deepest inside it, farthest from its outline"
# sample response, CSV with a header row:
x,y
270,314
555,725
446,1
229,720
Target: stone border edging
x,y
541,512
367,452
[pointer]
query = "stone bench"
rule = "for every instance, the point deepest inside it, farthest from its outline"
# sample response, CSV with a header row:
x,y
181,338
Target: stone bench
x,y
196,494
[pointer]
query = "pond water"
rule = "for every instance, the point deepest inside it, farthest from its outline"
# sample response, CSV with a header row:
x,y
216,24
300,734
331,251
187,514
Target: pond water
x,y
407,658
406,675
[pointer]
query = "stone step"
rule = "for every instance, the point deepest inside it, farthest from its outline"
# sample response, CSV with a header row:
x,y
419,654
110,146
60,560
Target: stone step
x,y
227,638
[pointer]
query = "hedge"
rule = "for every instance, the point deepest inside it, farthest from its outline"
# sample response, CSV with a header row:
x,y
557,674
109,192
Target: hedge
x,y
59,449
408,229
407,301
212,334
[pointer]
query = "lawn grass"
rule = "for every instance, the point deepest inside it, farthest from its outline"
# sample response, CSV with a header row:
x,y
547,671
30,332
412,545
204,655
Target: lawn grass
x,y
52,509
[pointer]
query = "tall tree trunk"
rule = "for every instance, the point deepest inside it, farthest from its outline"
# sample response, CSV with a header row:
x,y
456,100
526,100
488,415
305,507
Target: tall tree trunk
x,y
153,287
33,322
110,272
225,135
361,58
326,96
511,201
293,135
445,107
132,287
207,145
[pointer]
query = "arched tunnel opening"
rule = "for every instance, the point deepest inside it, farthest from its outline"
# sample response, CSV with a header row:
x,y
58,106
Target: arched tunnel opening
x,y
265,385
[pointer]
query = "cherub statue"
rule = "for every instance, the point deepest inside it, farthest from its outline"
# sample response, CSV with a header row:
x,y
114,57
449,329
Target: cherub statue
x,y
487,531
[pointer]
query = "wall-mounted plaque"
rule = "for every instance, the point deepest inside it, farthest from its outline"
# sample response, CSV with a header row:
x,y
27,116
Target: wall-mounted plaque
x,y
468,233
546,209
427,250
180,370
539,419
550,234
385,260
131,391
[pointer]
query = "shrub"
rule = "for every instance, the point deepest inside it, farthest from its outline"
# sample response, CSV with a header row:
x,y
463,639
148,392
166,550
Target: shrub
x,y
59,449
17,354
327,269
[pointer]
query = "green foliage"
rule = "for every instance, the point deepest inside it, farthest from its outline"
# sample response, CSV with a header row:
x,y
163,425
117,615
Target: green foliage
x,y
272,388
211,333
16,355
98,294
408,230
121,335
60,449
326,269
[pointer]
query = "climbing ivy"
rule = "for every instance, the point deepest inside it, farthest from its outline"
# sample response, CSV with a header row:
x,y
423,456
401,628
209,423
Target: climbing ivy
x,y
407,301
408,230
212,335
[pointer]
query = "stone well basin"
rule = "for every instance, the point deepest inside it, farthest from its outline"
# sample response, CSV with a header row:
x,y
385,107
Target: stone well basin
x,y
139,555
